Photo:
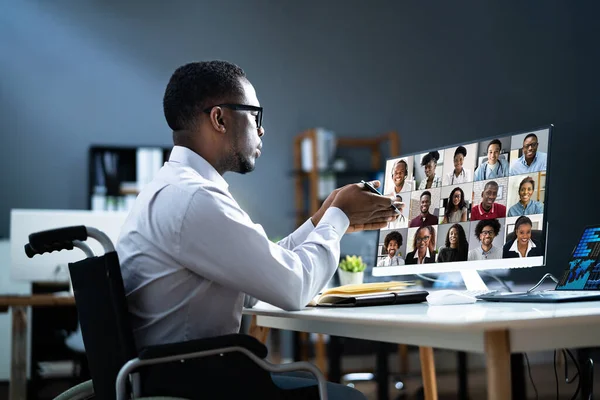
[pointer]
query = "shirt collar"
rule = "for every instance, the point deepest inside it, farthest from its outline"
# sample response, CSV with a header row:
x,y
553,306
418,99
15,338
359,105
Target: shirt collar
x,y
482,211
417,253
515,248
485,253
522,159
185,156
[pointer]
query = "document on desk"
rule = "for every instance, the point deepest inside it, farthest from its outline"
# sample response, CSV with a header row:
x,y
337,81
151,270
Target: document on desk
x,y
369,294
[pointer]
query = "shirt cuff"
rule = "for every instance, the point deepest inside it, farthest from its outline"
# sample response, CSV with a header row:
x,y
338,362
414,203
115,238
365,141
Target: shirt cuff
x,y
337,219
300,234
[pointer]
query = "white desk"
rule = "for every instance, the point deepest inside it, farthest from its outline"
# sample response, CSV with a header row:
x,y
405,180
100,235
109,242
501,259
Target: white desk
x,y
496,329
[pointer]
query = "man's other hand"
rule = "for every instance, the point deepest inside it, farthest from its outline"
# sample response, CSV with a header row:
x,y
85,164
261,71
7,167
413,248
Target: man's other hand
x,y
365,209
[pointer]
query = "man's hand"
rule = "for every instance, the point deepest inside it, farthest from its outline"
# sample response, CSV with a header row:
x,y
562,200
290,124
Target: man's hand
x,y
364,209
326,204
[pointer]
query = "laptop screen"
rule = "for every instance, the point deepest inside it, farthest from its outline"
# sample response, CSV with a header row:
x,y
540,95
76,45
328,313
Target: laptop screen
x,y
584,266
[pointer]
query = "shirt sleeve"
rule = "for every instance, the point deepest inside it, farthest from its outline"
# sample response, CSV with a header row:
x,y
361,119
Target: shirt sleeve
x,y
219,242
298,236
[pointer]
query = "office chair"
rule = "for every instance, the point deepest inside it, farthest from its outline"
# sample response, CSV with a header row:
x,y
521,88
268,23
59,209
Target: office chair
x,y
228,366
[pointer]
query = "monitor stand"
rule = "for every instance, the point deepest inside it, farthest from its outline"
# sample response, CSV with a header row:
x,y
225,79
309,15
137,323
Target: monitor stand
x,y
473,280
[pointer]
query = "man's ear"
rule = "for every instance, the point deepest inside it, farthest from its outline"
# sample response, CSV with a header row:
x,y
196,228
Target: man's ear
x,y
217,119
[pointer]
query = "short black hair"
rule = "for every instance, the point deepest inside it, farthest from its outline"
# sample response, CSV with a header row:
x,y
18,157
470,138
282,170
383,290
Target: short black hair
x,y
460,150
400,162
522,220
494,141
425,193
393,235
530,135
431,156
196,86
490,183
487,222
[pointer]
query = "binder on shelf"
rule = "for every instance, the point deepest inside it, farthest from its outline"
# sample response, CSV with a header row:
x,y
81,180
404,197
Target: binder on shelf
x,y
326,146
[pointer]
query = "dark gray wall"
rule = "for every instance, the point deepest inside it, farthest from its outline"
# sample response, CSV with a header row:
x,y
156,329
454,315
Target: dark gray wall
x,y
76,73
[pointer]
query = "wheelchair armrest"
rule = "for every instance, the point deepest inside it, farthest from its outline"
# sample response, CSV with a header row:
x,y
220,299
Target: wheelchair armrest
x,y
192,346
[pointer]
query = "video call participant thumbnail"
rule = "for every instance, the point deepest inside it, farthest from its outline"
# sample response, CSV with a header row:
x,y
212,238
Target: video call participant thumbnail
x,y
429,164
399,178
488,208
424,217
494,166
456,208
456,247
401,221
458,174
532,160
485,231
424,243
392,243
525,205
522,245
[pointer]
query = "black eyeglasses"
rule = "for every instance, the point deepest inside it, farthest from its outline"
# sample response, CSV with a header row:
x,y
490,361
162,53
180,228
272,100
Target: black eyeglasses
x,y
241,107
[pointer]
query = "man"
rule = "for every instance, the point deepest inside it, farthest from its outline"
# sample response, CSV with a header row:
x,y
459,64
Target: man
x,y
488,208
183,279
494,166
531,160
485,231
392,243
425,217
399,175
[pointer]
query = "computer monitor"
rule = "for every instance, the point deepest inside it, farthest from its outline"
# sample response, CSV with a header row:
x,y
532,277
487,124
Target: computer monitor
x,y
52,267
479,205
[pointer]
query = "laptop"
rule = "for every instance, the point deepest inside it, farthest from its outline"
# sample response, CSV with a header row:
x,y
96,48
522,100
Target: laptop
x,y
579,282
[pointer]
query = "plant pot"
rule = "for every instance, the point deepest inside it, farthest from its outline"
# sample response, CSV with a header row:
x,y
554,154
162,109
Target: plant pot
x,y
350,278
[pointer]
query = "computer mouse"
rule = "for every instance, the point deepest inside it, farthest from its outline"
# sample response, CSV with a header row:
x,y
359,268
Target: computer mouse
x,y
449,296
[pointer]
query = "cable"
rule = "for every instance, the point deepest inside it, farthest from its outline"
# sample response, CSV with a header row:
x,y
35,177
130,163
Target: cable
x,y
433,279
501,281
577,374
530,376
548,275
556,375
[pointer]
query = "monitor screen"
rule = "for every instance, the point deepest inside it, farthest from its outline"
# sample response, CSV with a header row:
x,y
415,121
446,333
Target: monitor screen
x,y
471,206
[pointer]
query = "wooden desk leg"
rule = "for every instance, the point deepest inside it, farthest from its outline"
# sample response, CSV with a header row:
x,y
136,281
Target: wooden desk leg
x,y
259,332
403,358
428,373
321,354
18,360
497,352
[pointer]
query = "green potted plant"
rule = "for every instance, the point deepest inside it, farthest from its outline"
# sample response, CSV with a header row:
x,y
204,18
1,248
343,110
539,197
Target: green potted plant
x,y
351,270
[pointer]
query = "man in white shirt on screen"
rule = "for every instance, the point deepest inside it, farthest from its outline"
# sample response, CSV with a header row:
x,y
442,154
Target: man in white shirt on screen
x,y
189,252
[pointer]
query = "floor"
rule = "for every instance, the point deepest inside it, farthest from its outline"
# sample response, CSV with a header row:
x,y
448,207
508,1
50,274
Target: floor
x,y
543,376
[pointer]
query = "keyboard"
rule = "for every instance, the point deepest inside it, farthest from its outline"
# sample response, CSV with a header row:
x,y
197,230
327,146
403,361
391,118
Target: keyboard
x,y
543,296
476,293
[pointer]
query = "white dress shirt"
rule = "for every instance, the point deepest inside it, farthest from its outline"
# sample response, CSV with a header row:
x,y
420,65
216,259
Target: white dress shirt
x,y
515,248
188,254
390,261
